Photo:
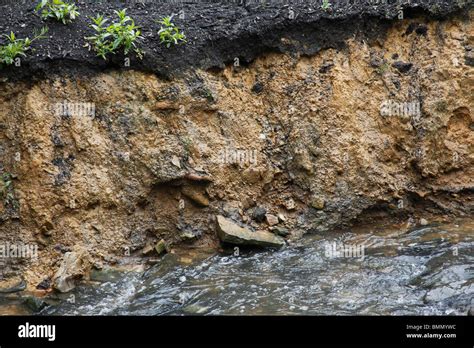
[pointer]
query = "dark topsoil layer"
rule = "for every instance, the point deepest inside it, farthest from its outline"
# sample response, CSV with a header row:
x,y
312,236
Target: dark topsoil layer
x,y
217,31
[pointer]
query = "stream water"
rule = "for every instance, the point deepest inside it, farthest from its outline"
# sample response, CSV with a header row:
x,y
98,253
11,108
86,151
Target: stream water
x,y
422,271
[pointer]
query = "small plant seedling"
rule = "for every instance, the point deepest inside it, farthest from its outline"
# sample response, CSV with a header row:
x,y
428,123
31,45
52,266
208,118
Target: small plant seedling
x,y
17,47
170,33
109,39
326,5
58,10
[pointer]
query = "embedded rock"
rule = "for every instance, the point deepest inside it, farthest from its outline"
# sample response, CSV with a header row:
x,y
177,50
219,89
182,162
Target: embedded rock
x,y
231,233
75,266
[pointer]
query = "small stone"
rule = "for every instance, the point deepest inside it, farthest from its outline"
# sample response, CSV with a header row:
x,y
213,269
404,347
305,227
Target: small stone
x,y
423,222
257,88
160,247
290,204
47,228
45,284
259,214
175,161
34,303
195,195
281,217
457,36
165,105
376,61
281,231
182,279
272,220
402,66
422,30
318,203
469,58
187,235
326,67
148,249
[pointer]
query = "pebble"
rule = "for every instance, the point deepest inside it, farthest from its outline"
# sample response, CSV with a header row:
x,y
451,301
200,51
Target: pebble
x,y
290,204
271,219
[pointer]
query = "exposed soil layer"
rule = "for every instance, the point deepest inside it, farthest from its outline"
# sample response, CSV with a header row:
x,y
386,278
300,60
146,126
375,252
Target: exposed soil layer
x,y
331,122
218,32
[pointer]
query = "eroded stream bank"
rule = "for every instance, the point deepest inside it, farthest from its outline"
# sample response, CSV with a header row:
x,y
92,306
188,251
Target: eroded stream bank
x,y
103,166
400,271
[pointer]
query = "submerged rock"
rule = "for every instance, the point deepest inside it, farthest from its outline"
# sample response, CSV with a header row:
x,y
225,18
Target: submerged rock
x,y
230,232
195,309
105,275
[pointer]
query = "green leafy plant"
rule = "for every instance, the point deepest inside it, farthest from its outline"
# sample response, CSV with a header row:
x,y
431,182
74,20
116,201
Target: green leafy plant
x,y
326,5
6,188
57,10
17,47
109,39
170,33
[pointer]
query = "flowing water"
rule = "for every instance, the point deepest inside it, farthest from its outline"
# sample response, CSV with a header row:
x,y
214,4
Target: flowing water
x,y
422,271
